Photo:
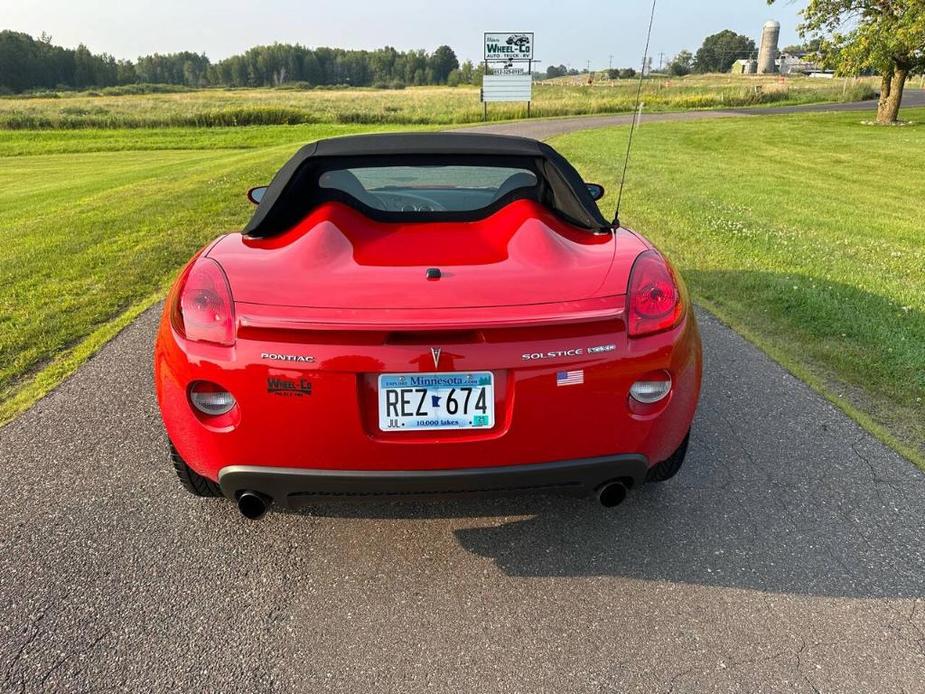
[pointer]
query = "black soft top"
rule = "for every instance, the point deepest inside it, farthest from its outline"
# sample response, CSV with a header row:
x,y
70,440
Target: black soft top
x,y
293,191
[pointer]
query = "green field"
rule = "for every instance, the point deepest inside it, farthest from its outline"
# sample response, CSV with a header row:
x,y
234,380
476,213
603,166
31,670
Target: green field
x,y
804,232
416,105
92,237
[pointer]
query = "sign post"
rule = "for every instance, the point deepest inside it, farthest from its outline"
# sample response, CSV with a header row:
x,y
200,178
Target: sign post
x,y
505,78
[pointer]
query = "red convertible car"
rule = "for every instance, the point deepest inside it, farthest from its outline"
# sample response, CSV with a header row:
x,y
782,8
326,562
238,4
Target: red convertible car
x,y
426,314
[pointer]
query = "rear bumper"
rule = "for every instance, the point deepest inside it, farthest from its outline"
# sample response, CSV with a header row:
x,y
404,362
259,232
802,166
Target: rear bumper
x,y
295,486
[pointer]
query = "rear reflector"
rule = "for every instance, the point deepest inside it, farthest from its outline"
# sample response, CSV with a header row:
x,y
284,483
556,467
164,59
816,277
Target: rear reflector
x,y
648,392
210,399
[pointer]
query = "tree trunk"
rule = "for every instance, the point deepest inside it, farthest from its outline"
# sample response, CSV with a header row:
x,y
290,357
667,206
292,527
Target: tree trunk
x,y
891,95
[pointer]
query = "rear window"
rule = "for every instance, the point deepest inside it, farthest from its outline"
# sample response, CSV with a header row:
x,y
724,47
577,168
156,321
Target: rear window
x,y
429,188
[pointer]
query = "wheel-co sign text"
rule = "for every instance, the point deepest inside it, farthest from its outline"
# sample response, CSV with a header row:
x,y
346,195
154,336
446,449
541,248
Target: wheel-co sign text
x,y
509,45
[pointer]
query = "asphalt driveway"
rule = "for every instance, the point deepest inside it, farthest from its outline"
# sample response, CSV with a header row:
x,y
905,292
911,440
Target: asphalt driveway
x,y
544,128
788,555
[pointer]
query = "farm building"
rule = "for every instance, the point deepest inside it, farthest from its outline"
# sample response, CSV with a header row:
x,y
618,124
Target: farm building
x,y
745,66
797,64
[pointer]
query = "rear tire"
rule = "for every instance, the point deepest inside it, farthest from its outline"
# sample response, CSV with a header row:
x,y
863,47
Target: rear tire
x,y
192,481
667,469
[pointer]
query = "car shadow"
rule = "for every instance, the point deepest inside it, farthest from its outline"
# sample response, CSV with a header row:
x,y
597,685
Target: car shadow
x,y
781,492
706,526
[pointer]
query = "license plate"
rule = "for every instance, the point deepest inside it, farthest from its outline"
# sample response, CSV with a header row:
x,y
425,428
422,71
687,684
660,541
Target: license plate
x,y
424,401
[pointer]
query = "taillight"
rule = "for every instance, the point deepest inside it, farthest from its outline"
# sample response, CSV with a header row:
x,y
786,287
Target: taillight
x,y
654,303
204,310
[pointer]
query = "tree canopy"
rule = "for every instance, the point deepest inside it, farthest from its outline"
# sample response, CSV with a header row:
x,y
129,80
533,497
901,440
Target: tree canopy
x,y
681,64
887,36
28,63
559,71
719,51
811,46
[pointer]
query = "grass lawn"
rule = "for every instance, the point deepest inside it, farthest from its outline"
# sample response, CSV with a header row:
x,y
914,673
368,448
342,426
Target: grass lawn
x,y
806,233
26,142
803,232
415,105
92,238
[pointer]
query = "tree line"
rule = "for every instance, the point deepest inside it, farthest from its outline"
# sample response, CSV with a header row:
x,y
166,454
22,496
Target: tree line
x,y
27,63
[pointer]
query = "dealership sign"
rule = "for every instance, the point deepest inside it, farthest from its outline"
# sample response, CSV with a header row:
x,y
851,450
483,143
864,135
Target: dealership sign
x,y
509,46
507,88
508,68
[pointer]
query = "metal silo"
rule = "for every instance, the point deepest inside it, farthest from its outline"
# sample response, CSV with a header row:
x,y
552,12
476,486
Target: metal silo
x,y
767,54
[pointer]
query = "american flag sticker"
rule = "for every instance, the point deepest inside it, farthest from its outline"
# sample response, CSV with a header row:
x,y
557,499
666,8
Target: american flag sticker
x,y
570,378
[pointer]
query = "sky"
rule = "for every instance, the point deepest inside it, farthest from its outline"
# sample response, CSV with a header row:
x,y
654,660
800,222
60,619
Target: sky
x,y
570,32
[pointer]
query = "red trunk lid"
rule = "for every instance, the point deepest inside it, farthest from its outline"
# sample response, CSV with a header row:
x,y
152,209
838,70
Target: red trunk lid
x,y
340,262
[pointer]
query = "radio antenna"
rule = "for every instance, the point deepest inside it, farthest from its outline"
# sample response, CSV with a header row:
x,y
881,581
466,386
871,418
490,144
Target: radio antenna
x,y
629,141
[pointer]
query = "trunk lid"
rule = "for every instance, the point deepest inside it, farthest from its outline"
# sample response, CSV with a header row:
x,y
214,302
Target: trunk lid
x,y
338,262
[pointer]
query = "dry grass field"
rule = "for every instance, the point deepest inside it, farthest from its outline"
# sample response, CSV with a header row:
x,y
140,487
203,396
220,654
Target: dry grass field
x,y
411,106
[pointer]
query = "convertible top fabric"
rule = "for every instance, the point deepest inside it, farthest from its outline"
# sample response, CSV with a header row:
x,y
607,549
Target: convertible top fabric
x,y
293,193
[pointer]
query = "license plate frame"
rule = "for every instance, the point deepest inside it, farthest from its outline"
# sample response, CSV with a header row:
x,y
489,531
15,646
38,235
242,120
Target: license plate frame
x,y
445,386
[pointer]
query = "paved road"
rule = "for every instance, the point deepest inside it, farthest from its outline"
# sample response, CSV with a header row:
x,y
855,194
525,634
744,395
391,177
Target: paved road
x,y
787,556
544,128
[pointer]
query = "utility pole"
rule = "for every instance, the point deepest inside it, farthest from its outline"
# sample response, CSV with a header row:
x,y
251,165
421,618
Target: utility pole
x,y
661,61
588,68
610,64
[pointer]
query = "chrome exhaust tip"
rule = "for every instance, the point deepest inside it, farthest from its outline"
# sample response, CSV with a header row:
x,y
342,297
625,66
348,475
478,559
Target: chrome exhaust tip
x,y
253,505
611,494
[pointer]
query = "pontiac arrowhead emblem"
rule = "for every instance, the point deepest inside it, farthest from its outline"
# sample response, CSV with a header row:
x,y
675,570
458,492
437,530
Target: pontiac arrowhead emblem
x,y
436,352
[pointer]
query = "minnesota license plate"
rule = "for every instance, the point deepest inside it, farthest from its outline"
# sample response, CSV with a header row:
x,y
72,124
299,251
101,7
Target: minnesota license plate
x,y
423,401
